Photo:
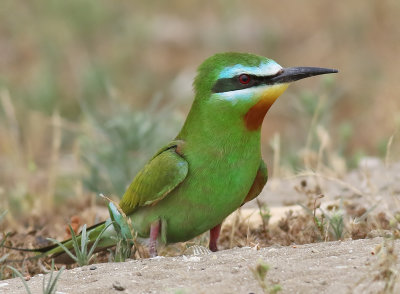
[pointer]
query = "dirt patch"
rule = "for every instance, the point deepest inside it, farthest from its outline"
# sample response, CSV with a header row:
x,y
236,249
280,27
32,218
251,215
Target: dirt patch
x,y
331,267
365,199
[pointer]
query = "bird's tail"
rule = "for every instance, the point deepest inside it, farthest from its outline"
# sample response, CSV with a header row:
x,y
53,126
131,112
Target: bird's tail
x,y
102,235
107,239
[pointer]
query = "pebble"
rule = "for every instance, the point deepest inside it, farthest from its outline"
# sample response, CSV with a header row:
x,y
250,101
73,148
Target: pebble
x,y
93,267
117,286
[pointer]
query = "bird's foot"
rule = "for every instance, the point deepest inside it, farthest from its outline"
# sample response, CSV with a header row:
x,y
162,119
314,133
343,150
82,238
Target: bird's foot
x,y
154,231
214,234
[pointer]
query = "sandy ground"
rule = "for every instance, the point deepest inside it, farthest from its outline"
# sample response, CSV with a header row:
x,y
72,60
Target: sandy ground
x,y
331,267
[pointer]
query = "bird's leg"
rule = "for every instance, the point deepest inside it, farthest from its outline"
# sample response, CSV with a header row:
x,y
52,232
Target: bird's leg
x,y
154,231
214,234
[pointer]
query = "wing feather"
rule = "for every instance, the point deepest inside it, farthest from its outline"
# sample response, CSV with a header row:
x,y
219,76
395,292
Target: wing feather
x,y
259,183
163,173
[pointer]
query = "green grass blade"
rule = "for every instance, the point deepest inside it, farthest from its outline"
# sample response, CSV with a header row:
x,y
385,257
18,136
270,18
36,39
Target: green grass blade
x,y
52,289
50,278
79,256
84,240
21,277
82,256
98,239
52,283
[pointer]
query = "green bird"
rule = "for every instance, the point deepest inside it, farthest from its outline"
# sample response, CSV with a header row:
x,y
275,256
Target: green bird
x,y
214,164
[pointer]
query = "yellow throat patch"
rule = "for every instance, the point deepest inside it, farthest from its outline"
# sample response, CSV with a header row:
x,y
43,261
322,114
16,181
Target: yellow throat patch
x,y
255,116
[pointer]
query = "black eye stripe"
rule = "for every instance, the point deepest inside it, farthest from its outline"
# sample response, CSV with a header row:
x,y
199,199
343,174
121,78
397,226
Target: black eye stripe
x,y
232,84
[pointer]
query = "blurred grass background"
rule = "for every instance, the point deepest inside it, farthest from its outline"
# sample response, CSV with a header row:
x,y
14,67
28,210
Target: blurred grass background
x,y
90,89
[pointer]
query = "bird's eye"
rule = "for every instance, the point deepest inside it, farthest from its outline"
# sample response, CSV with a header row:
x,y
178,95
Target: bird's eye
x,y
244,79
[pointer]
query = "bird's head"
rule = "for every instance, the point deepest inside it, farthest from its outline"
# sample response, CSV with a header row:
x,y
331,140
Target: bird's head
x,y
245,85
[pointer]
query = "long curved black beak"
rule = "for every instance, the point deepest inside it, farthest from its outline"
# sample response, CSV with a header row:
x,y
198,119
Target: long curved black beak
x,y
291,74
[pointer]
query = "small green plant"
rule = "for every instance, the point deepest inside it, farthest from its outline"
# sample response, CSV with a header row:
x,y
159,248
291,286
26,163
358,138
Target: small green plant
x,y
260,274
325,223
82,256
126,236
123,249
328,224
319,220
265,213
124,230
335,222
48,288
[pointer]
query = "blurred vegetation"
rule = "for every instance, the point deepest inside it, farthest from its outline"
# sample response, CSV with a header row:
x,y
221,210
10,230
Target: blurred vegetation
x,y
90,89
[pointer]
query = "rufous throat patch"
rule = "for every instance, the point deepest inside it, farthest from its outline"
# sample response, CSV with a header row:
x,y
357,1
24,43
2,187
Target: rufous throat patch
x,y
255,116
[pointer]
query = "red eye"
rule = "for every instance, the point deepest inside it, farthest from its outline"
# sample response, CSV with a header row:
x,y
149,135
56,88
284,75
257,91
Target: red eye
x,y
244,79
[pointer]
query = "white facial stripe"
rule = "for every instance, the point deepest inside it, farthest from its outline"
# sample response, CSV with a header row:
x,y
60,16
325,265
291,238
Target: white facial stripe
x,y
264,69
237,95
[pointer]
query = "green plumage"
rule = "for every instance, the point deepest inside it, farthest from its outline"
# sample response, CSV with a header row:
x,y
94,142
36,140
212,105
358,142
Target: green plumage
x,y
214,164
166,170
222,159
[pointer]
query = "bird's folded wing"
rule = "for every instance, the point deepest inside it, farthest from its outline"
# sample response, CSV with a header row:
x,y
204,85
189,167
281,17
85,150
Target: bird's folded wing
x,y
163,173
259,182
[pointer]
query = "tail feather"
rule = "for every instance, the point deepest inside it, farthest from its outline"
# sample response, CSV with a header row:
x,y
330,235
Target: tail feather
x,y
56,250
22,249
